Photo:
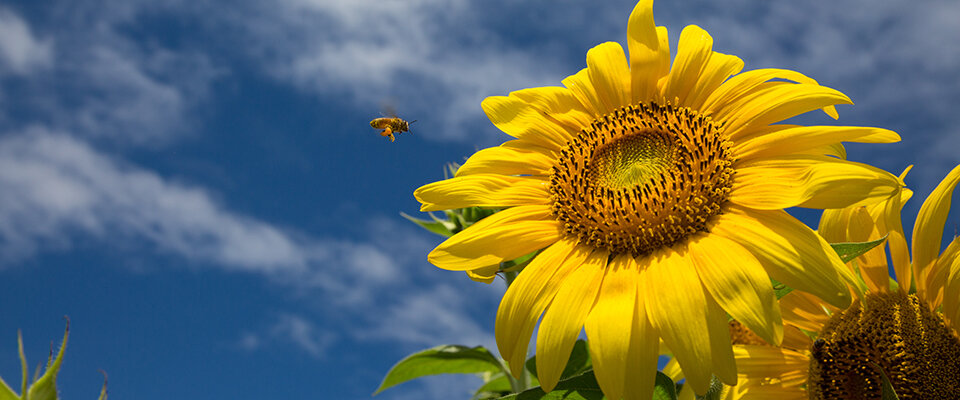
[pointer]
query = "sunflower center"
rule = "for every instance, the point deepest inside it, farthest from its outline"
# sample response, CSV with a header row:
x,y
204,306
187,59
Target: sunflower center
x,y
739,334
894,332
641,178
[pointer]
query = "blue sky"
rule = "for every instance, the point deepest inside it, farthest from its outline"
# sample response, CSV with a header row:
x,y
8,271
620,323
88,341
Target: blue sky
x,y
196,186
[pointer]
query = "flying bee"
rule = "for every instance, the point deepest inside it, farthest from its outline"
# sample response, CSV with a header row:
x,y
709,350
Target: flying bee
x,y
391,125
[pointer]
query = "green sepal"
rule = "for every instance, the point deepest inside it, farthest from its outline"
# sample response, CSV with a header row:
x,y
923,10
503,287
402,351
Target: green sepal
x,y
664,388
45,388
578,363
103,390
850,250
446,359
579,387
7,393
438,226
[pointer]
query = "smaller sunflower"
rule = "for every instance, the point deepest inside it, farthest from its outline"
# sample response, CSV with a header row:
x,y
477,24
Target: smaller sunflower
x,y
912,337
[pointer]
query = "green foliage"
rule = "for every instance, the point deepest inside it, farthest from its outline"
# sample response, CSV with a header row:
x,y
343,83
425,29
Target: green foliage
x,y
849,251
446,359
44,387
664,388
580,387
780,289
846,251
715,392
578,363
887,391
577,381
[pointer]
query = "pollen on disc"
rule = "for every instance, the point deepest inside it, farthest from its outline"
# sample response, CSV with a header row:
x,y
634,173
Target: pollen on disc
x,y
642,177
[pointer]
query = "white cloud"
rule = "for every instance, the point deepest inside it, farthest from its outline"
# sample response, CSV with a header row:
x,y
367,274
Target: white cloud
x,y
100,80
56,187
20,50
290,329
426,58
434,316
60,192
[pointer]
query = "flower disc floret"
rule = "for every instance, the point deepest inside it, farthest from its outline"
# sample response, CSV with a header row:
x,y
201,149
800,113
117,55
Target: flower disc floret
x,y
894,332
642,177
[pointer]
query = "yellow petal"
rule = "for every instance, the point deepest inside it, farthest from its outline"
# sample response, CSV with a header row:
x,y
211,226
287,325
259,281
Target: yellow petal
x,y
484,274
524,145
689,320
804,310
693,53
776,103
770,373
609,75
581,87
739,283
726,97
559,104
610,325
563,320
500,237
928,229
794,338
804,138
951,295
857,224
645,53
790,251
506,161
809,181
521,120
833,224
831,150
890,224
623,344
642,357
529,295
718,69
483,190
937,278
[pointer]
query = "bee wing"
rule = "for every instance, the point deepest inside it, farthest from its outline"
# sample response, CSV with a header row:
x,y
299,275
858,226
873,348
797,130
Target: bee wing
x,y
388,111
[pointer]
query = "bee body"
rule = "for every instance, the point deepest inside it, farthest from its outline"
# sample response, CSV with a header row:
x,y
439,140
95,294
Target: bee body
x,y
390,126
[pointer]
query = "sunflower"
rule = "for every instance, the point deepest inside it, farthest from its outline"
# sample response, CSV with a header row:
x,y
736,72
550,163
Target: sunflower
x,y
655,196
910,336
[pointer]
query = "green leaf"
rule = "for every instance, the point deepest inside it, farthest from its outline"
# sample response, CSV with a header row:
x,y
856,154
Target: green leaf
x,y
495,385
45,388
780,289
580,387
438,226
578,363
887,388
664,388
6,393
849,251
446,359
715,392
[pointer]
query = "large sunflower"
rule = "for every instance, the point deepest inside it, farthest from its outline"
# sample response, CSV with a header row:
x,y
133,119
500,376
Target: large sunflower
x,y
911,337
655,194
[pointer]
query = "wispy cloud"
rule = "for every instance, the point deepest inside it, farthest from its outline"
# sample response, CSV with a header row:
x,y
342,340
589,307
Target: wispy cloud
x,y
426,57
60,192
21,51
56,187
98,80
291,329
